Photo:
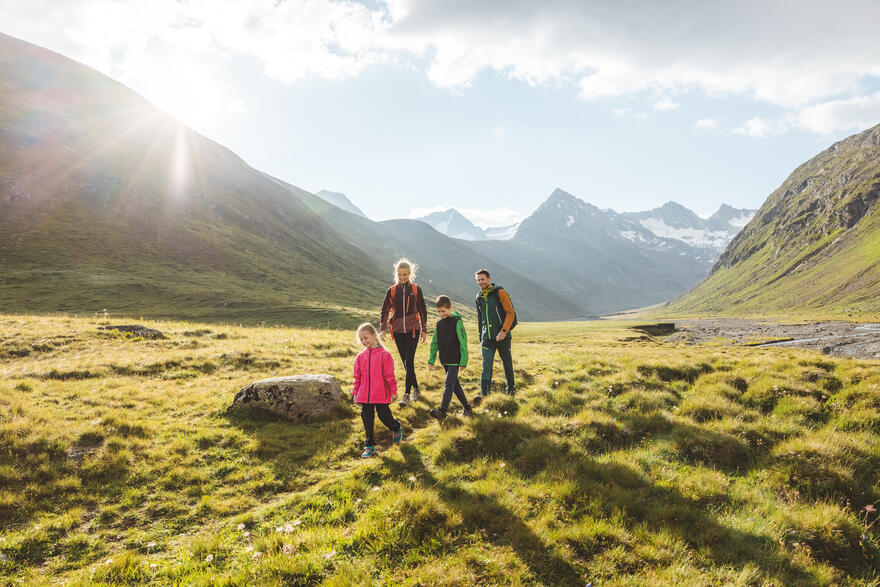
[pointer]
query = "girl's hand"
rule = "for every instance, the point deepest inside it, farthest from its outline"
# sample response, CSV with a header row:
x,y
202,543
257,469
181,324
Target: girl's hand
x,y
394,396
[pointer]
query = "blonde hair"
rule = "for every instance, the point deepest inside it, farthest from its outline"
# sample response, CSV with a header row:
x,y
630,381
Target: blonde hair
x,y
404,263
365,326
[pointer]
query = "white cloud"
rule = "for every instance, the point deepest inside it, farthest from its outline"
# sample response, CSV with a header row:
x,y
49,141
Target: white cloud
x,y
621,112
236,107
502,216
853,114
761,127
666,103
499,131
818,55
707,123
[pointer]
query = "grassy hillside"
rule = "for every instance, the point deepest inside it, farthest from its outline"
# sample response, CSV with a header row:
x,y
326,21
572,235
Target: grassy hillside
x,y
623,460
106,202
814,246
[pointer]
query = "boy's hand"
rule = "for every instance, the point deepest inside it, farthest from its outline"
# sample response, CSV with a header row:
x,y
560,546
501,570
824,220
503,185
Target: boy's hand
x,y
430,366
462,367
501,336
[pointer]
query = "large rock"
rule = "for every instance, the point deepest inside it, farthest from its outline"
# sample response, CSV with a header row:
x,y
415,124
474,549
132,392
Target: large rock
x,y
301,398
136,330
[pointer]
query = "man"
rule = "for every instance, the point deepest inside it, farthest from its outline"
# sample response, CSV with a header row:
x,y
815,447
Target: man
x,y
495,318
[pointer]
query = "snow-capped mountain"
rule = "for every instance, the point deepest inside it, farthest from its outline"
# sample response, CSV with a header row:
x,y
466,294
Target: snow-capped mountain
x,y
340,200
674,221
452,223
501,233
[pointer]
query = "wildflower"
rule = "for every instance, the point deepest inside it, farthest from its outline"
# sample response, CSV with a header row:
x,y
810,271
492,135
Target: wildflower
x,y
153,565
279,529
358,500
288,549
502,465
249,549
375,488
870,508
330,554
240,526
412,478
288,528
246,534
297,522
258,554
108,561
151,545
209,558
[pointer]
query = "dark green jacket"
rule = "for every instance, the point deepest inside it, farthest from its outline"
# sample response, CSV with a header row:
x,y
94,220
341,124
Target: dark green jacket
x,y
494,312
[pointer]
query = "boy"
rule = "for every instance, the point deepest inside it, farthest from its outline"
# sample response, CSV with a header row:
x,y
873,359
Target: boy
x,y
450,340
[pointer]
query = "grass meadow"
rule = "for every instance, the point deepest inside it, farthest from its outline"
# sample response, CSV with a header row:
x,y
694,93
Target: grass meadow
x,y
622,460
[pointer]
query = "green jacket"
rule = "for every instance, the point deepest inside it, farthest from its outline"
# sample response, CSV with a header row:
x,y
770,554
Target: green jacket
x,y
450,341
494,312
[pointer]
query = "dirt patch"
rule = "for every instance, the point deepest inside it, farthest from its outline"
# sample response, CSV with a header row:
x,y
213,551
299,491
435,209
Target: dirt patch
x,y
835,338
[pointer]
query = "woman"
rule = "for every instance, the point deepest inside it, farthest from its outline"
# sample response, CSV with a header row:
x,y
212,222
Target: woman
x,y
405,305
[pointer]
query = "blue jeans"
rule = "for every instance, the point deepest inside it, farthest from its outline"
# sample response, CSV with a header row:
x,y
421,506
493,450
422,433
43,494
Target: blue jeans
x,y
452,386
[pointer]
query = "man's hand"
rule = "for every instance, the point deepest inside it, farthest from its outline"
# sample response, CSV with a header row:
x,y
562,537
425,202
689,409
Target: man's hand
x,y
424,336
501,336
382,335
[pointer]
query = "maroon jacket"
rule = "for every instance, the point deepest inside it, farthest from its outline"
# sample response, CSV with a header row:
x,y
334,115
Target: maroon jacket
x,y
408,313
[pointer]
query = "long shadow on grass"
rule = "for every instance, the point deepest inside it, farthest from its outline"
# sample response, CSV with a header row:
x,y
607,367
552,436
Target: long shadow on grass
x,y
479,511
290,448
600,488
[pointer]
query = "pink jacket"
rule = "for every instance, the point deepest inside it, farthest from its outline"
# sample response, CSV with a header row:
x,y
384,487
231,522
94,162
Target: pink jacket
x,y
374,380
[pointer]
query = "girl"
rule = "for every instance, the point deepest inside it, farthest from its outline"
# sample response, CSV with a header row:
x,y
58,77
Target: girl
x,y
405,305
374,386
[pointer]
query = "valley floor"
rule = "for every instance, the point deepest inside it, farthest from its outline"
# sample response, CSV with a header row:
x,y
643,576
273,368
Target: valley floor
x,y
624,458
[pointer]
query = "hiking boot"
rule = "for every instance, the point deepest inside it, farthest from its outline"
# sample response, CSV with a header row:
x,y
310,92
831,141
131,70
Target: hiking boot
x,y
510,391
369,451
416,394
478,399
437,413
397,436
404,401
467,412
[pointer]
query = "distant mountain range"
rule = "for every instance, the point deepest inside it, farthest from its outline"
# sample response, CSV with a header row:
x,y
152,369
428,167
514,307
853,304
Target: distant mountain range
x,y
814,245
709,237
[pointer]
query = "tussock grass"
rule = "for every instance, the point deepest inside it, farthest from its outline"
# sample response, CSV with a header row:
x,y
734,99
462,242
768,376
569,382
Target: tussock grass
x,y
618,462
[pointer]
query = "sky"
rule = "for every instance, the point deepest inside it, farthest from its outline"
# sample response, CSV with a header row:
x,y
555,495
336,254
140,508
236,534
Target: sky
x,y
409,106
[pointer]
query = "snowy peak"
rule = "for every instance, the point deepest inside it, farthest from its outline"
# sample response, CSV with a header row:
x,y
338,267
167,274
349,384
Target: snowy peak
x,y
340,200
452,223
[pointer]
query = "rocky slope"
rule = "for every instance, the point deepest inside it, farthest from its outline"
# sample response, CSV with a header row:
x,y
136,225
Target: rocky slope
x,y
813,245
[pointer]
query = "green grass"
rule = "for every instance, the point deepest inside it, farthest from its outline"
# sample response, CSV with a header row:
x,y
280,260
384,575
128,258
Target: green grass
x,y
620,461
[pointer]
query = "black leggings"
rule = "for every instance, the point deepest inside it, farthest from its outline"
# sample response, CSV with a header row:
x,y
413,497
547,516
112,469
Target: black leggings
x,y
369,418
406,346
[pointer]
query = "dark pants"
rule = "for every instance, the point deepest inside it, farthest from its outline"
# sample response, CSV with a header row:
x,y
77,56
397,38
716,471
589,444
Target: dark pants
x,y
369,418
452,386
406,346
488,349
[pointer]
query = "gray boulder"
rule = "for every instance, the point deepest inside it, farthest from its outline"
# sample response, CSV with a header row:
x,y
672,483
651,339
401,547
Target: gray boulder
x,y
136,330
301,398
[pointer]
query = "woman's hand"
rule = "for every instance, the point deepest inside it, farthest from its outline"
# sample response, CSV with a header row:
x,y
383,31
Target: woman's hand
x,y
382,335
424,336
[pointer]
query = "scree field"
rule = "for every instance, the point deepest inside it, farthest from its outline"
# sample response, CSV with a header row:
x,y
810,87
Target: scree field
x,y
622,460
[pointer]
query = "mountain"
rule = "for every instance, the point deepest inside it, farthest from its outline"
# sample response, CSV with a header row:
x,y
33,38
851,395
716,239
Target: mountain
x,y
501,233
812,246
672,220
452,223
108,203
341,201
